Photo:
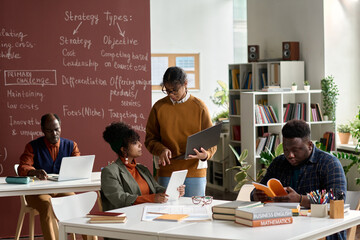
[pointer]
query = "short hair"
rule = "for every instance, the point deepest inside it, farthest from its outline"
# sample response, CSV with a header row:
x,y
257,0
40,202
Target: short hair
x,y
48,116
174,76
296,129
118,135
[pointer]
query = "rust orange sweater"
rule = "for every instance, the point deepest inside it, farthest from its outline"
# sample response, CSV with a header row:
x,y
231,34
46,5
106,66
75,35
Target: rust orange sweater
x,y
169,125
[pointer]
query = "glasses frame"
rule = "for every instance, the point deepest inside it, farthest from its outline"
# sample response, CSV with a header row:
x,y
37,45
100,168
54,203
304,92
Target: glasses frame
x,y
205,200
167,92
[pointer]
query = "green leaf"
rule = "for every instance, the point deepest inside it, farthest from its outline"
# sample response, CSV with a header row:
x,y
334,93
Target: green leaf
x,y
222,84
239,185
240,176
235,152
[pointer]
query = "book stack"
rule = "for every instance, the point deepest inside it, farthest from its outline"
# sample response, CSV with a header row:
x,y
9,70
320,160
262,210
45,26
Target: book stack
x,y
316,114
265,216
107,217
226,211
268,142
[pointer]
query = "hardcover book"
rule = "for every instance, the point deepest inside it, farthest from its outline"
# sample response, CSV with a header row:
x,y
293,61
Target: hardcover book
x,y
263,213
106,214
264,222
230,207
106,219
220,216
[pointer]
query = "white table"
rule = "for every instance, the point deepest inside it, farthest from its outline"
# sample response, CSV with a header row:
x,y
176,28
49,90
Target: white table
x,y
47,186
134,228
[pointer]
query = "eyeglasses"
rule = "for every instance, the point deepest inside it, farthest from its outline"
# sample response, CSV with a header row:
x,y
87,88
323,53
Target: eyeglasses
x,y
168,92
205,200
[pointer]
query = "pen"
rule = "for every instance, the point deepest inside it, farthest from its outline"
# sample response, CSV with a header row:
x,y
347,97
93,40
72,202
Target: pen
x,y
158,213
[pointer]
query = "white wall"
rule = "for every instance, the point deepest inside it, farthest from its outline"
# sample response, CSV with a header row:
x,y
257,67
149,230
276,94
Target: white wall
x,y
271,22
342,53
195,26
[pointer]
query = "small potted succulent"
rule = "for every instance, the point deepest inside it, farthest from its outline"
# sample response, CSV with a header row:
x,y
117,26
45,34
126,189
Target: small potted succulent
x,y
344,133
306,85
293,86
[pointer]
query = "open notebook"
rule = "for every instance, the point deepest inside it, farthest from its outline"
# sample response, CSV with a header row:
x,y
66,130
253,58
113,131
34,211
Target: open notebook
x,y
72,168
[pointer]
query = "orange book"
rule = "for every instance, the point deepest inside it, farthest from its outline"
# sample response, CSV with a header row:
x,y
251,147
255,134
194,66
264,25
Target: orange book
x,y
171,217
274,188
264,222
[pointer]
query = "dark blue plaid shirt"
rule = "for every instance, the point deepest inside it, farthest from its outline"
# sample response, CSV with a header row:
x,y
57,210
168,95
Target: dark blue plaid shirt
x,y
321,171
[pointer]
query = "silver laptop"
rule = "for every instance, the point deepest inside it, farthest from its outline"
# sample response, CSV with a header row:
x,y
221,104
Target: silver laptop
x,y
73,168
206,138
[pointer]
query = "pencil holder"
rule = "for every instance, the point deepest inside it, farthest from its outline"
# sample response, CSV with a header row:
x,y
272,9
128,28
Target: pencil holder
x,y
319,210
336,208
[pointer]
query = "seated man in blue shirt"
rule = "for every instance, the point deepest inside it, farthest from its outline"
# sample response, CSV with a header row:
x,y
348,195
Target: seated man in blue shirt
x,y
303,168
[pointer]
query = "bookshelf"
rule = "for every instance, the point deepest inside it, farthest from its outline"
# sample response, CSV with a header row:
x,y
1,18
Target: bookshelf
x,y
273,73
277,100
216,176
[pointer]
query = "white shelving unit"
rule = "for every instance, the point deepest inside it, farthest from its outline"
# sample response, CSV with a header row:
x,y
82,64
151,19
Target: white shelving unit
x,y
249,134
217,165
280,73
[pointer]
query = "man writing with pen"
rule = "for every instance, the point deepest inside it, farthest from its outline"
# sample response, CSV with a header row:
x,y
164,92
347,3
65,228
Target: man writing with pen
x,y
303,168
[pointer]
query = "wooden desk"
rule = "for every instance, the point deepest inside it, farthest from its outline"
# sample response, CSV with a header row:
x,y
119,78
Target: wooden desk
x,y
134,228
46,186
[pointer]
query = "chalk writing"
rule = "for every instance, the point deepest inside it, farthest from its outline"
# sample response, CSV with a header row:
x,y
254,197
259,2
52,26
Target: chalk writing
x,y
30,77
89,63
113,41
25,94
92,18
73,82
123,93
27,122
85,43
83,112
121,116
113,18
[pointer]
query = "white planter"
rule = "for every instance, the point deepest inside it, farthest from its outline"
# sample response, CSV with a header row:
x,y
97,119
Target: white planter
x,y
293,88
307,87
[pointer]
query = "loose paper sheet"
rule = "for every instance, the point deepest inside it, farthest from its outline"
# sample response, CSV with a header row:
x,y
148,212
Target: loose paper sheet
x,y
195,212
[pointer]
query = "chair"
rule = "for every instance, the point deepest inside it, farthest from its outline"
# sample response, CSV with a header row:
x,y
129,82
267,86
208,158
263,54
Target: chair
x,y
24,209
352,231
244,193
73,206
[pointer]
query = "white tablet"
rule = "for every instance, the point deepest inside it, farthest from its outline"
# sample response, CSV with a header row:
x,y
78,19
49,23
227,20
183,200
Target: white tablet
x,y
176,180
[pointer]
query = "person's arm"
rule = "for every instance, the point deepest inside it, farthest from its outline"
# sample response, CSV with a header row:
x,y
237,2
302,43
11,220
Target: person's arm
x,y
75,151
26,161
113,189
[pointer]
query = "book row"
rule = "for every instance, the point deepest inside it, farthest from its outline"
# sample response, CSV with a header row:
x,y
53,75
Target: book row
x,y
268,142
265,114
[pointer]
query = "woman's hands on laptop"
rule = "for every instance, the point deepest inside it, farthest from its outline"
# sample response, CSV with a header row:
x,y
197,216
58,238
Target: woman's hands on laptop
x,y
39,173
202,155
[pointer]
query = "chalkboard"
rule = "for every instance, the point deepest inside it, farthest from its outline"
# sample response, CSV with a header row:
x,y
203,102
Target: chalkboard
x,y
86,60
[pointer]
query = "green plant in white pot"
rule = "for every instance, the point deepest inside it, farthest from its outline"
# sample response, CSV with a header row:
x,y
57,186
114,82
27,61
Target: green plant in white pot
x,y
306,85
344,133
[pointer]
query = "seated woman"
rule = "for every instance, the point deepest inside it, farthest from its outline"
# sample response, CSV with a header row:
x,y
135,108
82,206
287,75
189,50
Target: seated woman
x,y
125,182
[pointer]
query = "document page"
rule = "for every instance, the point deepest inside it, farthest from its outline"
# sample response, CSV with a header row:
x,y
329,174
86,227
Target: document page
x,y
195,213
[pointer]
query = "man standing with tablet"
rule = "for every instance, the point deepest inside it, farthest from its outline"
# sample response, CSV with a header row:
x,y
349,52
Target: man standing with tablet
x,y
43,156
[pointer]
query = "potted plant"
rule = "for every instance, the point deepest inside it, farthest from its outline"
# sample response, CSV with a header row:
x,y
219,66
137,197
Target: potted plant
x,y
330,93
344,133
293,86
242,176
221,99
355,129
306,85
